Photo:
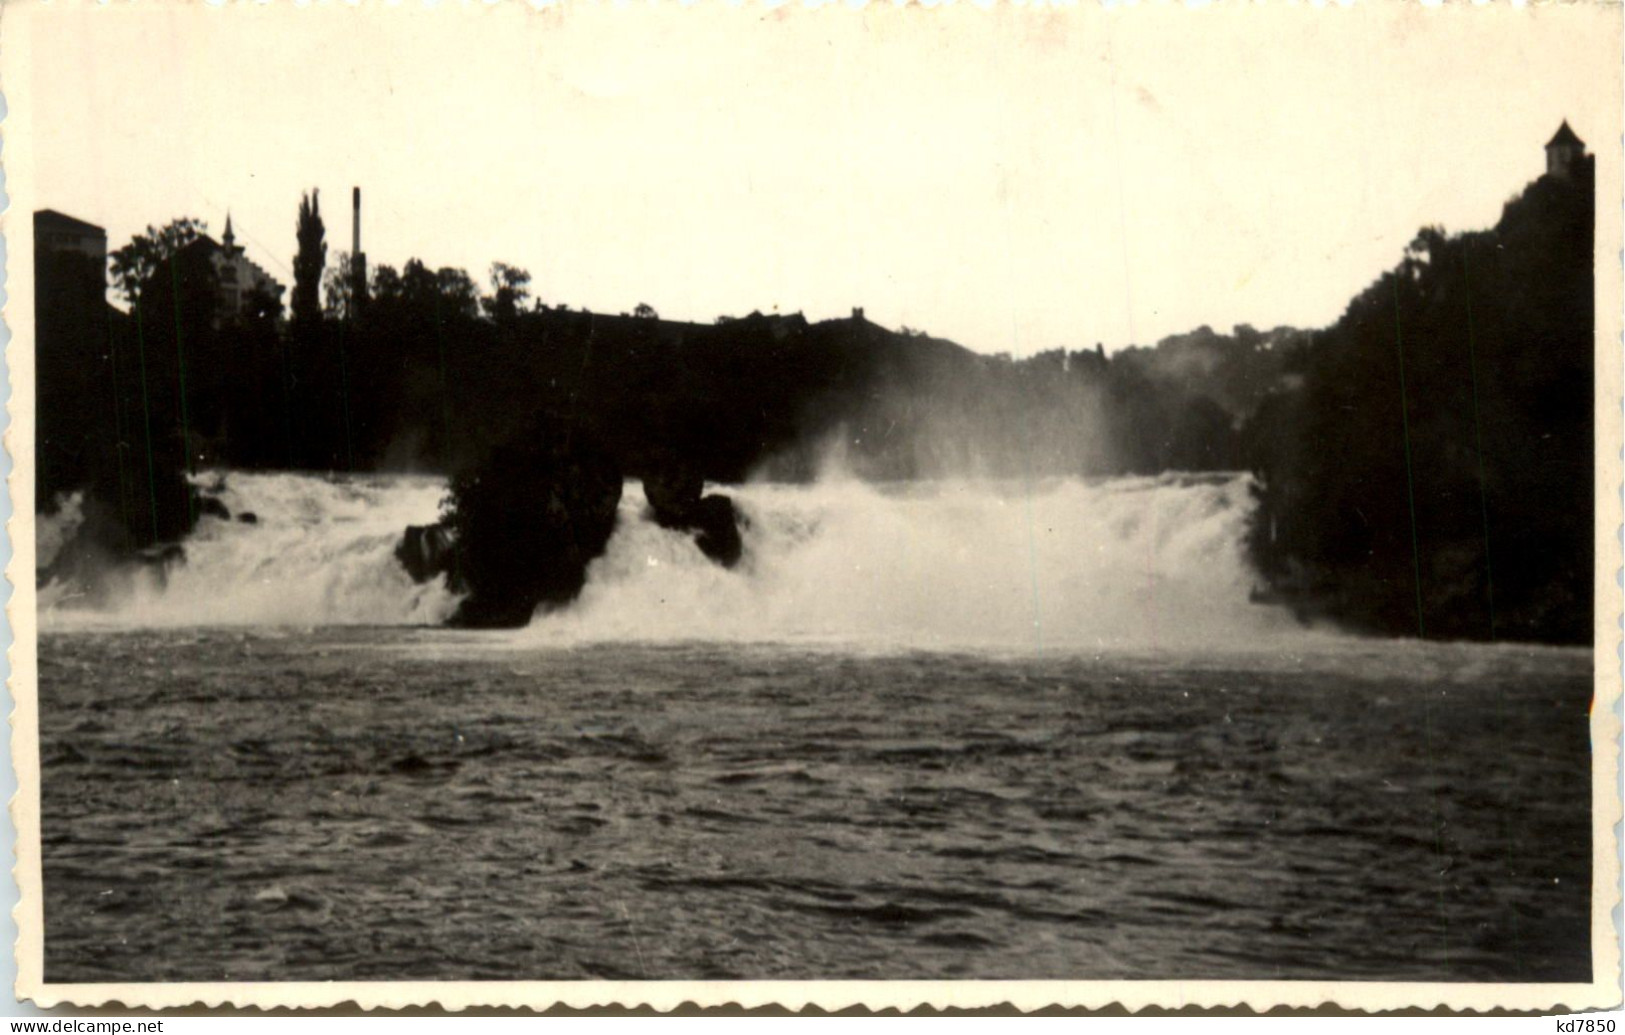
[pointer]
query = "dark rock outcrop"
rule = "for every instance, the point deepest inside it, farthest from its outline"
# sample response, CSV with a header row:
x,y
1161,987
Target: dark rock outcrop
x,y
210,506
673,490
525,522
426,551
717,523
248,517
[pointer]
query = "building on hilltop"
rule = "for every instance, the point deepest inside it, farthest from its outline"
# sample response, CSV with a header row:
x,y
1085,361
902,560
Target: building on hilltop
x,y
244,288
70,263
57,232
1565,154
73,333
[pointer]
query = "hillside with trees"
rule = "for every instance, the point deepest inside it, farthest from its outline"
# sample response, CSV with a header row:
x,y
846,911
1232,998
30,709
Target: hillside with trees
x,y
1432,474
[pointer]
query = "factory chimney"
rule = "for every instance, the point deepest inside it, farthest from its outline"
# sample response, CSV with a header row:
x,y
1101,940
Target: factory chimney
x,y
358,258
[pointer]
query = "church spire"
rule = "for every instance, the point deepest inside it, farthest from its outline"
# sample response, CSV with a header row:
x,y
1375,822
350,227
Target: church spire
x,y
228,238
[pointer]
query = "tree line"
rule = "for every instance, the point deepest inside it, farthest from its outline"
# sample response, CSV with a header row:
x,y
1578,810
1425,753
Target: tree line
x,y
1431,473
1420,464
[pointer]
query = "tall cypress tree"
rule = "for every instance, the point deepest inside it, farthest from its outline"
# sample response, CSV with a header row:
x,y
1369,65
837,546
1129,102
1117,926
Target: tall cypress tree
x,y
308,263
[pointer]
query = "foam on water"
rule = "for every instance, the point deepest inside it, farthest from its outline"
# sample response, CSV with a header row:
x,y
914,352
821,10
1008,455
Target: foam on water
x,y
320,553
1063,563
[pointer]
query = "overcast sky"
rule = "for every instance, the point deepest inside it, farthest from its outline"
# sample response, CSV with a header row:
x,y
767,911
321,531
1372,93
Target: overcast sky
x,y
1015,179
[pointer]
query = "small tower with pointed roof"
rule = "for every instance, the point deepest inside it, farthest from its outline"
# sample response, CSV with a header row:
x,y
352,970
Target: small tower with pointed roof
x,y
240,277
228,241
1564,153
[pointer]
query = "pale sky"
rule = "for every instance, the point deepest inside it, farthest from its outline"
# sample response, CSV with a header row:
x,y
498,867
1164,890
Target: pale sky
x,y
1015,179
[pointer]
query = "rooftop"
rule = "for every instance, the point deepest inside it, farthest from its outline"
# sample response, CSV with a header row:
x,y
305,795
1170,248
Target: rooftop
x,y
1565,136
50,218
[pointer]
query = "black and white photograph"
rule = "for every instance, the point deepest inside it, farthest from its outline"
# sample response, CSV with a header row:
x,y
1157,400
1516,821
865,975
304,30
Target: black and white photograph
x,y
517,497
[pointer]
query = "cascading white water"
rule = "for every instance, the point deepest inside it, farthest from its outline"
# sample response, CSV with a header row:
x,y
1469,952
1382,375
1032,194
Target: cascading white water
x,y
1130,562
320,552
1062,563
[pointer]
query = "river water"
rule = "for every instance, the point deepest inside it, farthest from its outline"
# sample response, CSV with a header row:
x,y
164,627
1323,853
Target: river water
x,y
940,732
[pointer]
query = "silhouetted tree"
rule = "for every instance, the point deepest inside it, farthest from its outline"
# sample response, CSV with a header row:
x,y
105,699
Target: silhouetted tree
x,y
457,293
309,261
338,285
135,263
161,367
386,283
510,287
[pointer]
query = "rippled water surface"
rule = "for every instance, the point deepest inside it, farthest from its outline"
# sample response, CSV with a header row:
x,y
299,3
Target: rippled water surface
x,y
254,804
